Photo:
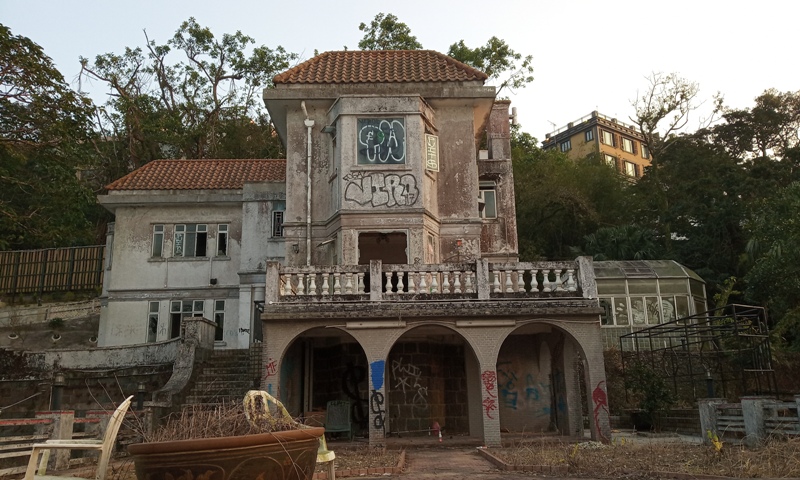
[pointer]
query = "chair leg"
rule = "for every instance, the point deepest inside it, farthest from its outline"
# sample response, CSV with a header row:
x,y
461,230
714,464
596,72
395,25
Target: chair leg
x,y
43,462
332,470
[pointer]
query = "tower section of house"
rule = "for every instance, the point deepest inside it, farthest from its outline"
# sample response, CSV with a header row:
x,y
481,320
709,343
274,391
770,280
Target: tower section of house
x,y
618,144
190,238
382,160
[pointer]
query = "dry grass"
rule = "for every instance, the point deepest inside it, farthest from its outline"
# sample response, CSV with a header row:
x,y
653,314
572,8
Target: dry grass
x,y
224,420
363,457
779,458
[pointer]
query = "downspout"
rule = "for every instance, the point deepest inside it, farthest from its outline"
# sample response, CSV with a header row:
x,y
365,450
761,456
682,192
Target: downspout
x,y
309,124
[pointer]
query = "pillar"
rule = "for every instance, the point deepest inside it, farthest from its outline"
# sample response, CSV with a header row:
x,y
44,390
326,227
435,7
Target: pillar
x,y
377,401
490,405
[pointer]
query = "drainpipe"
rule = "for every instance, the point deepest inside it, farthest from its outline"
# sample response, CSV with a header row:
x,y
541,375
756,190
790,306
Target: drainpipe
x,y
309,124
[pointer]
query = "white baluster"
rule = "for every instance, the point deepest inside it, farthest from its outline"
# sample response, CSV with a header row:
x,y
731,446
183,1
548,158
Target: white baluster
x,y
301,284
400,284
445,282
571,287
457,282
423,285
521,281
337,283
546,280
325,287
558,286
496,281
509,288
312,284
388,276
412,288
348,286
534,281
360,282
468,288
434,282
286,281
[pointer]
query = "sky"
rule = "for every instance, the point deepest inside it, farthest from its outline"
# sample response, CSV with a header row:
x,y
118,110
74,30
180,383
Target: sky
x,y
587,55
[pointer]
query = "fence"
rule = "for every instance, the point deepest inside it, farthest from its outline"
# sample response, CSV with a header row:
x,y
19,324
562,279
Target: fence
x,y
754,419
51,270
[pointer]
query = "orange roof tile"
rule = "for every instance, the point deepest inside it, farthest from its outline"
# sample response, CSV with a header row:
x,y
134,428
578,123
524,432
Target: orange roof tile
x,y
380,66
200,174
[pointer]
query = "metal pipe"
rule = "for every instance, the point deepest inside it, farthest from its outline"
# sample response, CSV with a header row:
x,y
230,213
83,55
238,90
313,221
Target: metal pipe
x,y
309,125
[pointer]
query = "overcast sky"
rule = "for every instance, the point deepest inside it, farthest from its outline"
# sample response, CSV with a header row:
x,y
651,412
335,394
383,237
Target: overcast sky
x,y
587,54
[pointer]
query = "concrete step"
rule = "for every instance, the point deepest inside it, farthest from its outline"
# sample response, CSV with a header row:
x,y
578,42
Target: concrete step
x,y
214,371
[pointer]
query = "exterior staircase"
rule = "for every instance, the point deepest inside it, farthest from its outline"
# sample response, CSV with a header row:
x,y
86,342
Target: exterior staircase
x,y
225,377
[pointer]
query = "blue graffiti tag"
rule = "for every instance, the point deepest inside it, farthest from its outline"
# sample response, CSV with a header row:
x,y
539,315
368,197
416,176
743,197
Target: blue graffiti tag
x,y
376,372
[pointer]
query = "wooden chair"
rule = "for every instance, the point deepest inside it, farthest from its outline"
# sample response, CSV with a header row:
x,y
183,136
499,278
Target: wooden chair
x,y
337,418
104,446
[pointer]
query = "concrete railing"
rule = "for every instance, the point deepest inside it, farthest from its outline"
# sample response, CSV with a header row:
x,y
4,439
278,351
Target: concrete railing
x,y
478,279
755,418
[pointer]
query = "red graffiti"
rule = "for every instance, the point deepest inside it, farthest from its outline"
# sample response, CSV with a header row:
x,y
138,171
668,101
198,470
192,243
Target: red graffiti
x,y
490,405
272,367
489,378
600,400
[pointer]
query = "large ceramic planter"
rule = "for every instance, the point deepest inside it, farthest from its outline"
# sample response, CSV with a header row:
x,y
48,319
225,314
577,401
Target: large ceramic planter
x,y
289,455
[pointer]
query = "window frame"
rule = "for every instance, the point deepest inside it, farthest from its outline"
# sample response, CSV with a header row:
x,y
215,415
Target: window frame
x,y
565,146
278,217
588,135
628,166
184,236
607,135
645,152
153,314
219,319
628,145
610,160
222,239
485,187
157,247
388,128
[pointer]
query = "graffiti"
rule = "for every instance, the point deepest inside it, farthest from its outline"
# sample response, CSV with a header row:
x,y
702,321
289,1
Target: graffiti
x,y
381,141
489,379
377,367
244,330
489,405
269,388
407,379
380,189
600,400
272,367
376,401
531,390
508,388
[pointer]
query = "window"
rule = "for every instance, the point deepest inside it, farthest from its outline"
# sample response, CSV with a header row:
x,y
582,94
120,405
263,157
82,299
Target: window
x,y
158,241
645,151
190,240
219,319
610,160
566,145
381,141
627,145
222,240
630,169
588,135
607,138
152,322
487,200
180,309
277,224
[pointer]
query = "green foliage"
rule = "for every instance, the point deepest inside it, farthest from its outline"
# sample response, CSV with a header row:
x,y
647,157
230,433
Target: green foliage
x,y
56,323
497,60
45,140
387,32
651,392
621,242
559,201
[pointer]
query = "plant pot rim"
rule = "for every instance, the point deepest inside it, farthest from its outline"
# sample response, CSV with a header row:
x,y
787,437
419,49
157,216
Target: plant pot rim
x,y
240,441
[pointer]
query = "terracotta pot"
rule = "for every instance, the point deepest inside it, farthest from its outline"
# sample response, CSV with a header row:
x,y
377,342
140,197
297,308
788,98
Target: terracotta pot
x,y
280,456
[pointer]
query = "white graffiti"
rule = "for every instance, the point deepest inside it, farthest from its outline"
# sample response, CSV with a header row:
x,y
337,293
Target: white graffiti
x,y
407,379
380,189
383,142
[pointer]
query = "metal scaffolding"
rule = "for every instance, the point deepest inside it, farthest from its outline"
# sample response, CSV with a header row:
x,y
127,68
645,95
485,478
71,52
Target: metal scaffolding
x,y
719,353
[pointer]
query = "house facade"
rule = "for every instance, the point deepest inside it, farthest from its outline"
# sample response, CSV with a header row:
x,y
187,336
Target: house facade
x,y
377,264
619,145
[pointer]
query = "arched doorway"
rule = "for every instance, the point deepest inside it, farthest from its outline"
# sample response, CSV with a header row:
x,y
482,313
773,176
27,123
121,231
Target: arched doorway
x,y
322,365
432,375
539,383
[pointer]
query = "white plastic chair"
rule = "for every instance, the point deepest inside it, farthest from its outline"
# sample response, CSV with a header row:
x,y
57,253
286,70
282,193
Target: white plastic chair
x,y
104,446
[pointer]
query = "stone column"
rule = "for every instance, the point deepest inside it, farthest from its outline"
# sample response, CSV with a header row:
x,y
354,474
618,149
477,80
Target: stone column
x,y
708,418
568,363
753,413
378,418
63,422
599,422
490,404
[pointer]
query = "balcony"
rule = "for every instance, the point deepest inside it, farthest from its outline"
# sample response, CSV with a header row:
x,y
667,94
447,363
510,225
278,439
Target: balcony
x,y
475,288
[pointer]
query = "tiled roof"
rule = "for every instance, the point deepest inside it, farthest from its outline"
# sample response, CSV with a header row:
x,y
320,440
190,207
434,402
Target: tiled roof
x,y
380,66
201,174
